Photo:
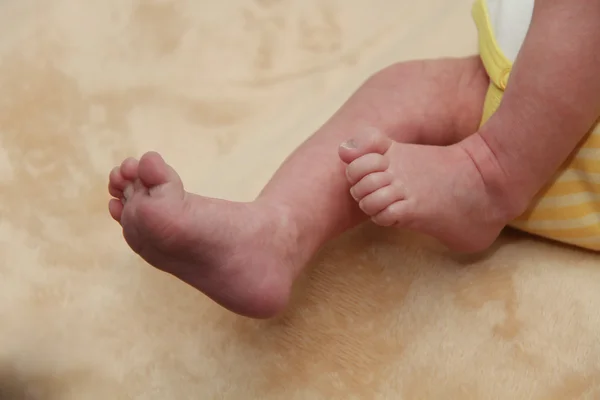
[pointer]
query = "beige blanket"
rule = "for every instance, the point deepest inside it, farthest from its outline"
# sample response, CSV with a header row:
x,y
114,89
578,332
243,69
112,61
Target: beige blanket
x,y
225,90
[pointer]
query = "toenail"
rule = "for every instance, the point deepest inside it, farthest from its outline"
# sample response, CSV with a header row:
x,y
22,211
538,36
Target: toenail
x,y
353,193
349,144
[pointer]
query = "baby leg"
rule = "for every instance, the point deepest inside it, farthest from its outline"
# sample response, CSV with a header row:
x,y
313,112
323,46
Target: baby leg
x,y
245,256
464,194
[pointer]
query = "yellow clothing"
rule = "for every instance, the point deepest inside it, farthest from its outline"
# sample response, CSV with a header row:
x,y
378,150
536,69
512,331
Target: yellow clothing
x,y
568,208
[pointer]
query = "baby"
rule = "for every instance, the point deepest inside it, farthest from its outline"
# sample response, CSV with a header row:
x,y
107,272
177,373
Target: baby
x,y
425,145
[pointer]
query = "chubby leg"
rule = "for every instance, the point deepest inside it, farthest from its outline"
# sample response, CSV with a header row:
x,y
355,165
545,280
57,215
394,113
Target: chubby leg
x,y
245,256
465,193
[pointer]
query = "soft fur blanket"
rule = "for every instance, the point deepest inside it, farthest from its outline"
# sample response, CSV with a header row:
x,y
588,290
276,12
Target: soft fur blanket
x,y
226,90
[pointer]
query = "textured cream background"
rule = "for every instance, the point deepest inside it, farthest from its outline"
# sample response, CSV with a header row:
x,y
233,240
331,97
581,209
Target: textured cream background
x,y
225,90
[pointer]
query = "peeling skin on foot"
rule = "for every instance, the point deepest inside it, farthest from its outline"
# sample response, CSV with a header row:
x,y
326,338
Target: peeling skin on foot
x,y
127,193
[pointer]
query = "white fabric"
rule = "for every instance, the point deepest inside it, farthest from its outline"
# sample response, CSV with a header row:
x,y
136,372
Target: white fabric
x,y
510,21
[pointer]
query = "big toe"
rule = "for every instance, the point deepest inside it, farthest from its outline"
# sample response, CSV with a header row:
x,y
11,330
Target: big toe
x,y
370,141
154,172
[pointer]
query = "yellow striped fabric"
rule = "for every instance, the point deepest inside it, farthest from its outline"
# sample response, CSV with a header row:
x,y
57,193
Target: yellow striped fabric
x,y
568,208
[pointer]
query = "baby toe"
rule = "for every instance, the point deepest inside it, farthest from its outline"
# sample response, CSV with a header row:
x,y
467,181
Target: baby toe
x,y
154,171
380,199
129,169
370,140
116,182
367,164
393,214
371,183
115,208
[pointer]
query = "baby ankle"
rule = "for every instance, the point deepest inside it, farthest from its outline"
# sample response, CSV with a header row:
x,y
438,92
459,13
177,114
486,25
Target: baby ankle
x,y
508,199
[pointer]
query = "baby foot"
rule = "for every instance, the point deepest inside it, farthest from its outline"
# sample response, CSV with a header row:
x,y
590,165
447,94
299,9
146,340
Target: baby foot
x,y
438,191
216,246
